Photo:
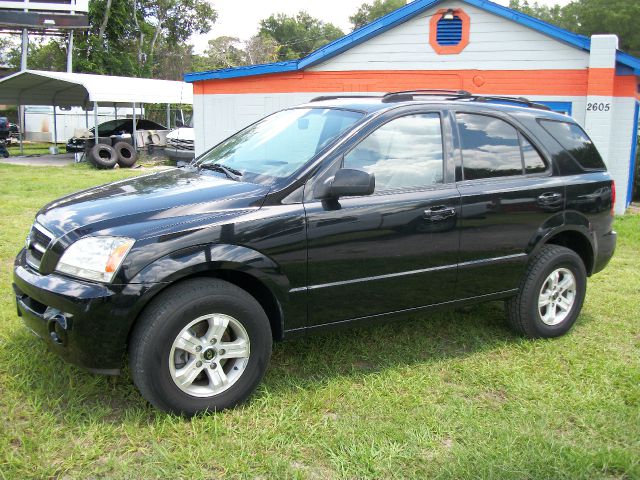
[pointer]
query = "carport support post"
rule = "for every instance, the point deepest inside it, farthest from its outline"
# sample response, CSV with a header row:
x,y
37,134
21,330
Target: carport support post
x,y
55,130
95,121
70,52
169,116
133,134
25,49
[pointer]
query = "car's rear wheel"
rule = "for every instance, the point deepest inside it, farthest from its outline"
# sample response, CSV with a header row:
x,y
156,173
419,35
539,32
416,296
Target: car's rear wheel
x,y
203,345
551,294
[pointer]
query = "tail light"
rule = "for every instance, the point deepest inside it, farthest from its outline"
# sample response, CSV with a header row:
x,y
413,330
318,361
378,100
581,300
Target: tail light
x,y
613,197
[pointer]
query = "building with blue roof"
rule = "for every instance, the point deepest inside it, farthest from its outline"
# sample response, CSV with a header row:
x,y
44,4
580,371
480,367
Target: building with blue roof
x,y
475,45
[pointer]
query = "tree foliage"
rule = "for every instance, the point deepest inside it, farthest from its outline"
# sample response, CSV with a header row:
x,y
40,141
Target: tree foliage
x,y
228,52
589,17
138,38
298,35
367,13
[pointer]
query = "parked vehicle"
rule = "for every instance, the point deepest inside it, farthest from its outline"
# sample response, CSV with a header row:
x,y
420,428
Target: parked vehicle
x,y
341,211
180,144
5,131
113,127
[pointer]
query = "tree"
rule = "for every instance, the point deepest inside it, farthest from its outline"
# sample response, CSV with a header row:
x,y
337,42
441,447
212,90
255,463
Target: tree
x,y
299,35
589,17
367,13
260,49
138,38
225,52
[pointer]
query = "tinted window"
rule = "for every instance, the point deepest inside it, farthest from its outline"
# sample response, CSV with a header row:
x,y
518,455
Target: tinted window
x,y
533,161
278,145
573,138
403,153
490,147
148,125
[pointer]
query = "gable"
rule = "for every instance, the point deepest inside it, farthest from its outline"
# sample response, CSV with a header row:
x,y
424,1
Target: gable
x,y
495,43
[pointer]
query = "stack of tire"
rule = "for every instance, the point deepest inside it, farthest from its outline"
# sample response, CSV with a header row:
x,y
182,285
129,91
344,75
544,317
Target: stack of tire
x,y
105,156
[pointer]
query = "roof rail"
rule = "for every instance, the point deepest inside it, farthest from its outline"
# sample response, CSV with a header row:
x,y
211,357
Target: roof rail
x,y
519,100
459,94
337,97
404,95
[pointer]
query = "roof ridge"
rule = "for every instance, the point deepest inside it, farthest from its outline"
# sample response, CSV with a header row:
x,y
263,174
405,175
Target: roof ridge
x,y
395,18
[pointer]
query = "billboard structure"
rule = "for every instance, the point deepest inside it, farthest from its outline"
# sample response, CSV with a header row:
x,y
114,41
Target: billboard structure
x,y
44,17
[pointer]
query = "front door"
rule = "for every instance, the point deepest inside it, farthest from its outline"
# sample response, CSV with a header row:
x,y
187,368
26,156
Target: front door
x,y
396,249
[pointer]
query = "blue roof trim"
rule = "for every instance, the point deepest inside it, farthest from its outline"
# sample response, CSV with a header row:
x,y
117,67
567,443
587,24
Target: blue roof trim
x,y
629,61
247,71
370,30
395,18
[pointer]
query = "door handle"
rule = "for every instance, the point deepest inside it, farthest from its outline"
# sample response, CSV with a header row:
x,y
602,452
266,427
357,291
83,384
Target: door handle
x,y
440,212
550,196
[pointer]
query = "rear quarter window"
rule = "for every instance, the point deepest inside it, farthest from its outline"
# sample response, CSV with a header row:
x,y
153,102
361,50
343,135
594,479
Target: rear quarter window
x,y
576,142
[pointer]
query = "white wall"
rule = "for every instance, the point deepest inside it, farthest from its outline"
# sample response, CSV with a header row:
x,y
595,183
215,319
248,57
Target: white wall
x,y
39,121
494,44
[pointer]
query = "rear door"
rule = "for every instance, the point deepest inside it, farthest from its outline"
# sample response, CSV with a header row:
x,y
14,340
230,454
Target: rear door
x,y
509,199
396,249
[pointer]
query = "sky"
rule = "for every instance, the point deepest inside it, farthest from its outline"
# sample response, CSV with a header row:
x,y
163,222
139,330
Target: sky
x,y
240,18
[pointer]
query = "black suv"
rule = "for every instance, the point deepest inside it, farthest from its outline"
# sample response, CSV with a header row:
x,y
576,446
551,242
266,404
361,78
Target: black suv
x,y
340,211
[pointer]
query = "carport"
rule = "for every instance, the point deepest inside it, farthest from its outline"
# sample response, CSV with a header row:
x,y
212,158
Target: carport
x,y
62,89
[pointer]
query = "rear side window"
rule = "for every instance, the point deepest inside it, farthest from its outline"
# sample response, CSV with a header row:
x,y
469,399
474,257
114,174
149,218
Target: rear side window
x,y
533,162
490,147
574,139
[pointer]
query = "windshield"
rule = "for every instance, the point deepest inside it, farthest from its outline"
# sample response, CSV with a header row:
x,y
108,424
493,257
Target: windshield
x,y
278,145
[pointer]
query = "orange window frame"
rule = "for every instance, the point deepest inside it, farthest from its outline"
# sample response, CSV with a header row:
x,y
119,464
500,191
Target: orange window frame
x,y
433,32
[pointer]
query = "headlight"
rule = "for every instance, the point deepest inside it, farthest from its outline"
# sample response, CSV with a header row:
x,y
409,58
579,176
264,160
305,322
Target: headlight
x,y
95,258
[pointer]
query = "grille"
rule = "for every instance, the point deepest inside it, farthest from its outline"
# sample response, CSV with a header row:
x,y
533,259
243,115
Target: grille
x,y
180,144
37,245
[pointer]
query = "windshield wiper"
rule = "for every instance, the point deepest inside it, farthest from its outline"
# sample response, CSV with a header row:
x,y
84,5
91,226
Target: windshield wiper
x,y
231,173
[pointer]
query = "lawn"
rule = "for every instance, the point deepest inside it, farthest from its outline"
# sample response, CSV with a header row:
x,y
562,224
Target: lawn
x,y
448,395
33,148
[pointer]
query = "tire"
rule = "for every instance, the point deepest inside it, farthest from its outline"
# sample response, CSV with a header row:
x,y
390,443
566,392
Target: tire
x,y
156,358
103,156
560,305
126,154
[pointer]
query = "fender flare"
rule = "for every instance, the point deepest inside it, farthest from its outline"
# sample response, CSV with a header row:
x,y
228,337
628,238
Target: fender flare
x,y
193,260
582,228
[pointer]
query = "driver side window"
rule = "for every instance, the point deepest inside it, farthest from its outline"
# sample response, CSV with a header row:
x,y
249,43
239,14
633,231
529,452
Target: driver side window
x,y
403,153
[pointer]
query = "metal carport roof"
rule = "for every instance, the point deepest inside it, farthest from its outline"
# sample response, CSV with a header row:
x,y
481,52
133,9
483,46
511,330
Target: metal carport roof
x,y
36,87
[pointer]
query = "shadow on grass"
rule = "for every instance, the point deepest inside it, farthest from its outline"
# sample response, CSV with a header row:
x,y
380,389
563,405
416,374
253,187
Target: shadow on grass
x,y
50,384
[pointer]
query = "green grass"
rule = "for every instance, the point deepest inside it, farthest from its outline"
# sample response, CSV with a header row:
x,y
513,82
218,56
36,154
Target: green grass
x,y
34,148
449,395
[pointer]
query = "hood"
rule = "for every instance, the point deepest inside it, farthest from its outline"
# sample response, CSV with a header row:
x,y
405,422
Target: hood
x,y
166,197
182,133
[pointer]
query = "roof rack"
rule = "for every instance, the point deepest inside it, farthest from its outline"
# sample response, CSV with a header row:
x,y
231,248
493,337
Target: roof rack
x,y
404,95
337,97
519,100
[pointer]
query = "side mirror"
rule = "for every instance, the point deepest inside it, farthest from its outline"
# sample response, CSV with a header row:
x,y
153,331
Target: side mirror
x,y
347,182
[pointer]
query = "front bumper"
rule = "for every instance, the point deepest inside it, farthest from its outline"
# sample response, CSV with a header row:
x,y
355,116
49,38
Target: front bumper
x,y
74,147
179,154
85,323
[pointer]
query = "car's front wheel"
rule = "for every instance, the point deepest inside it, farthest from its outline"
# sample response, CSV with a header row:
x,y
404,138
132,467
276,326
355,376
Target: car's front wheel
x,y
551,294
203,345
